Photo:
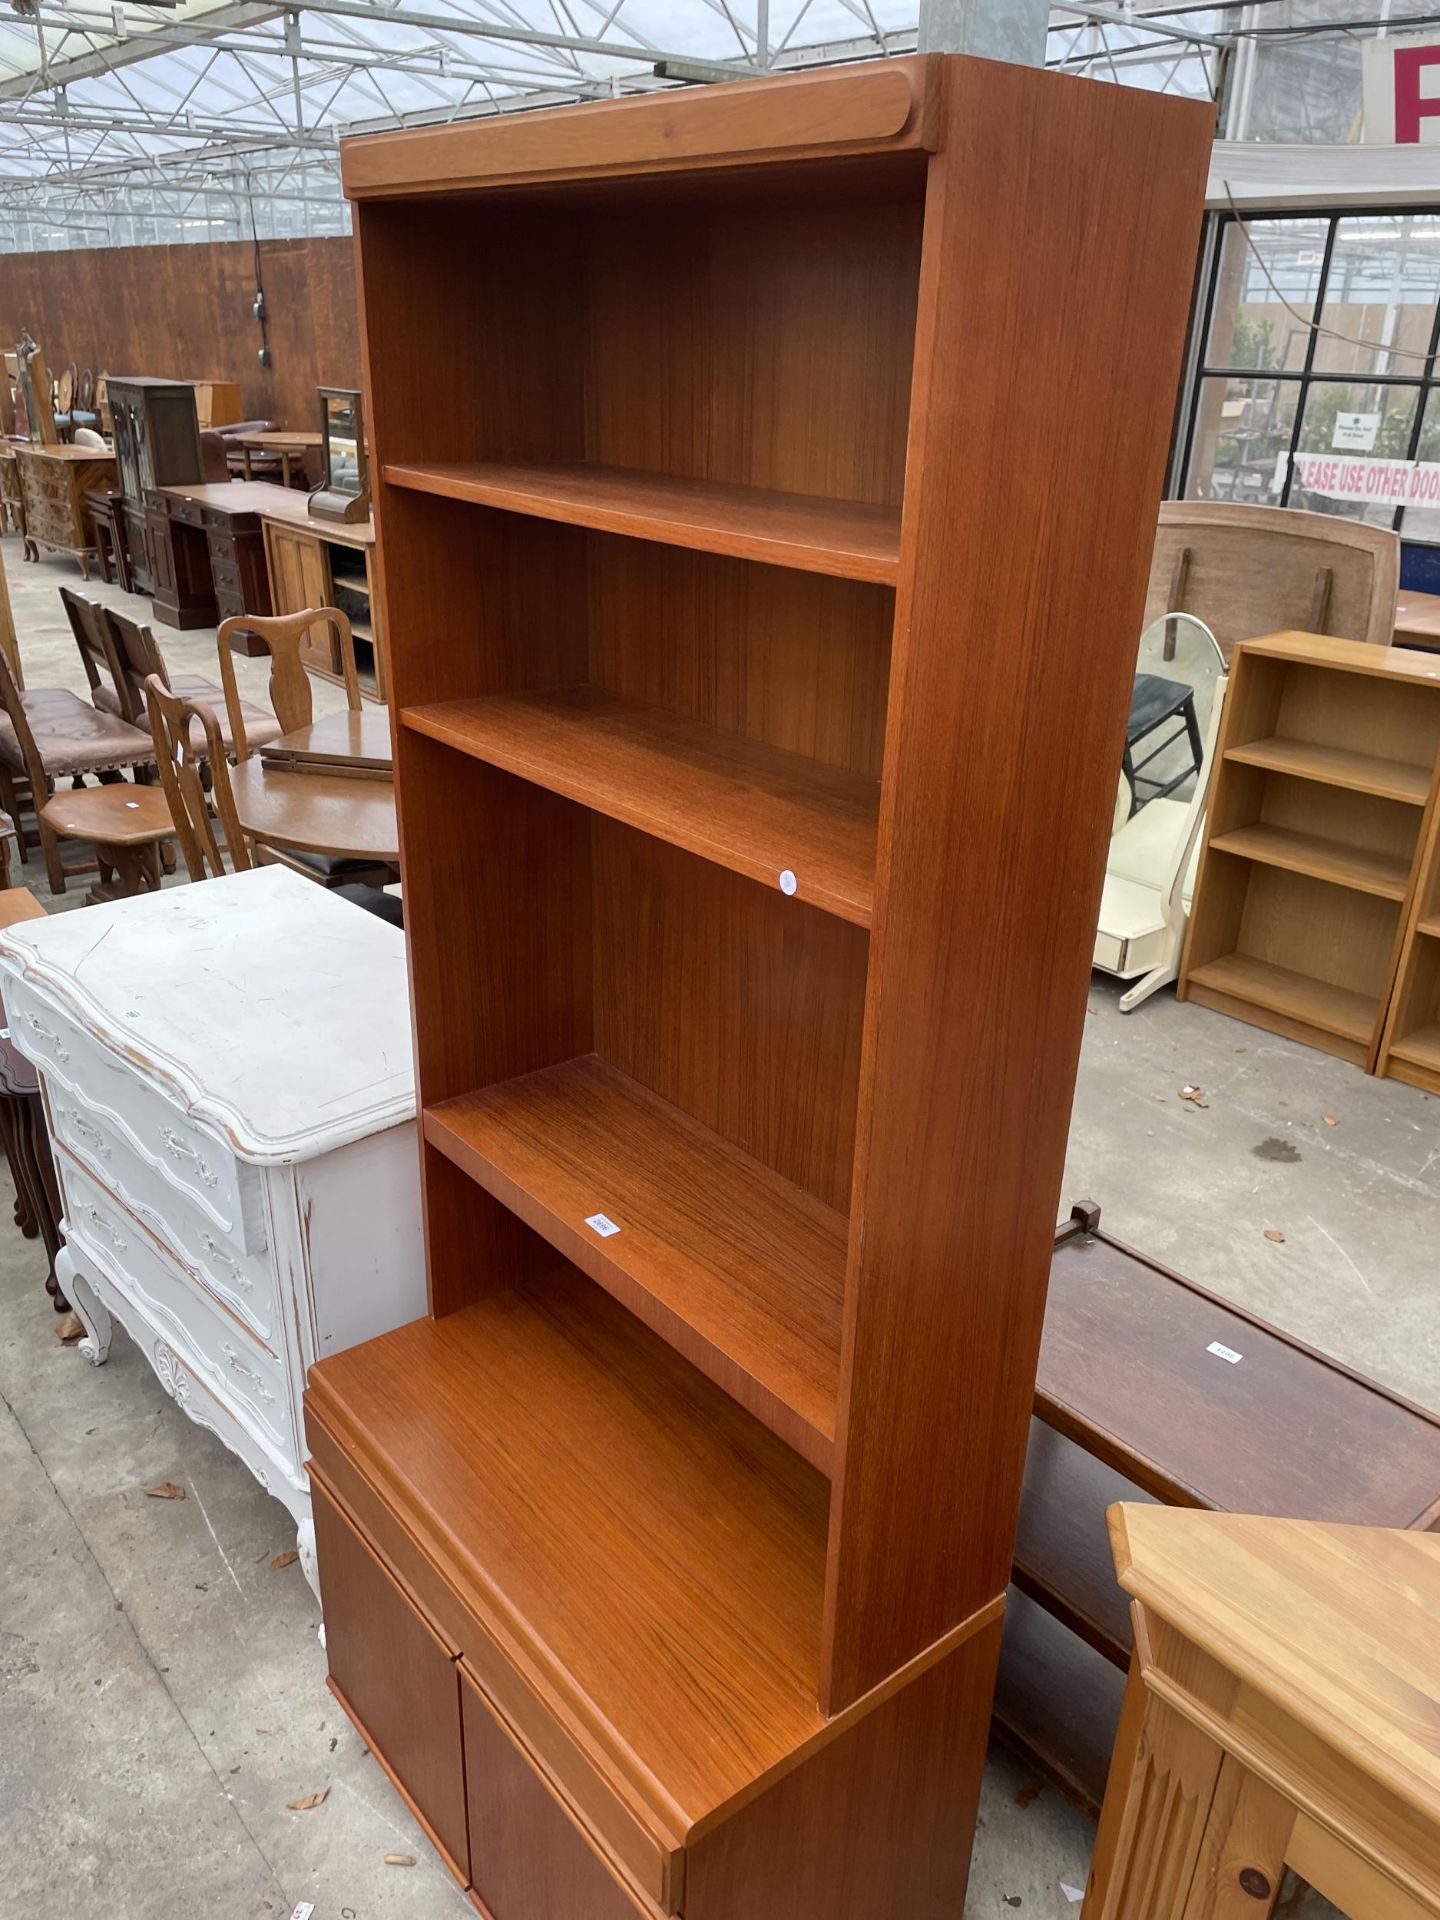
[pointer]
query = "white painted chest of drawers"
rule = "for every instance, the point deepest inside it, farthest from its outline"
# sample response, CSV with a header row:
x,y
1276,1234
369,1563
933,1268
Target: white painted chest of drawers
x,y
227,1071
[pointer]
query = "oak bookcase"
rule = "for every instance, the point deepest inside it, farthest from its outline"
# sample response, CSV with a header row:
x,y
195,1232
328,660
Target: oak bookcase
x,y
762,582
1325,794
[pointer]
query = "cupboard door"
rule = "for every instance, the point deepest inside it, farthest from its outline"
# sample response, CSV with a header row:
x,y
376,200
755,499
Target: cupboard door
x,y
300,578
396,1677
528,1858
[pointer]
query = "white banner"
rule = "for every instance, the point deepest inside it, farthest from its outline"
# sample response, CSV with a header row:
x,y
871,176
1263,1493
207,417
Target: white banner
x,y
1374,481
1401,79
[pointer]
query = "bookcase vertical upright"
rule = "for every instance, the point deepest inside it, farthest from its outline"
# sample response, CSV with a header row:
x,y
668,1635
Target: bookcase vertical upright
x,y
766,475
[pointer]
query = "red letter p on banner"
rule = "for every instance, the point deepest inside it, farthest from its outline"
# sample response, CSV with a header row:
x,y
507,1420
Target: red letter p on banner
x,y
1411,106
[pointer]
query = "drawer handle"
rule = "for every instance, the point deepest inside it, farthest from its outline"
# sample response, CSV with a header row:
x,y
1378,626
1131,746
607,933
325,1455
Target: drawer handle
x,y
100,1225
237,1365
87,1130
180,1150
49,1036
221,1258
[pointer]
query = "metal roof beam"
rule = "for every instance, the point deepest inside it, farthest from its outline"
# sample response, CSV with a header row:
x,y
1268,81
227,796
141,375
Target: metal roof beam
x,y
134,47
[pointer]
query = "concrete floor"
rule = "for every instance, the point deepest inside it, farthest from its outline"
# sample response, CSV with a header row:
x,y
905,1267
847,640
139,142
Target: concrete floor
x,y
162,1691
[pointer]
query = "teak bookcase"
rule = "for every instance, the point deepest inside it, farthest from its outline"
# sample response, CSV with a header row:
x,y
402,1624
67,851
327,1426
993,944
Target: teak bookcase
x,y
762,594
1324,806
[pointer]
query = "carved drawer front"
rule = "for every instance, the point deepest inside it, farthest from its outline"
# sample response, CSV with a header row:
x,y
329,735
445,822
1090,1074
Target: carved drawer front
x,y
243,1283
122,1108
395,1675
248,1379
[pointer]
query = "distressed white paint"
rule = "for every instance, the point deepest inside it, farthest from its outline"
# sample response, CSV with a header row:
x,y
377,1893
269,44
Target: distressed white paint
x,y
227,1072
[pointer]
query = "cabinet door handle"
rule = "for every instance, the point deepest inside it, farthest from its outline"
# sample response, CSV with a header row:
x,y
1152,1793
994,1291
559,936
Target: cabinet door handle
x,y
237,1365
181,1150
49,1036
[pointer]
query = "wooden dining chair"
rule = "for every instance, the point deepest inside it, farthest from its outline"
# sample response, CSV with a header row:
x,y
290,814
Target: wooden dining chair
x,y
138,656
51,734
283,637
188,743
97,650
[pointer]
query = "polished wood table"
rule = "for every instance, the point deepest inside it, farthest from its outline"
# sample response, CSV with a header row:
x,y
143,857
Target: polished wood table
x,y
1417,620
330,813
1282,1712
346,742
289,446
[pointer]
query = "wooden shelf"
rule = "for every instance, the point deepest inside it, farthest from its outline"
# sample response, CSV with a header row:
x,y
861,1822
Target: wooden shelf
x,y
553,1454
846,538
736,1268
1337,767
754,809
1336,1010
1430,926
1421,1049
1378,873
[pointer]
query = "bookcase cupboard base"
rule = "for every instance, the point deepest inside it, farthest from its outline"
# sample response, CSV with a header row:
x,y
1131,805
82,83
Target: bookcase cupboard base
x,y
874,1817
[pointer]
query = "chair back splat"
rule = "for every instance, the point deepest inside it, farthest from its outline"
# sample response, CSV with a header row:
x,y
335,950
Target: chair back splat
x,y
187,737
283,636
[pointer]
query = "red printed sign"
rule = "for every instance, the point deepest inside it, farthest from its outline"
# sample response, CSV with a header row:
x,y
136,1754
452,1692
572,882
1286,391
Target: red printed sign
x,y
1402,90
1375,482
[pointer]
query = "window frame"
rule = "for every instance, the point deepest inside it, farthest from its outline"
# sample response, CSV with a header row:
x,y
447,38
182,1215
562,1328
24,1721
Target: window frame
x,y
1425,380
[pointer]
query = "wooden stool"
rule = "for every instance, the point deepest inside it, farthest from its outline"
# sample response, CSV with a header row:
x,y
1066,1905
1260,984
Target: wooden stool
x,y
1281,1712
127,826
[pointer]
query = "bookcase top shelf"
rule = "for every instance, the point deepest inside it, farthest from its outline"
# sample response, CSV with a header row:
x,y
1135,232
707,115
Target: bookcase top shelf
x,y
758,810
884,106
845,538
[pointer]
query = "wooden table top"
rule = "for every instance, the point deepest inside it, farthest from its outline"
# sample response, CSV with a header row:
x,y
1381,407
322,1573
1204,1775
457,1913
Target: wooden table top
x,y
278,441
317,812
1338,1626
65,452
340,740
273,502
1417,619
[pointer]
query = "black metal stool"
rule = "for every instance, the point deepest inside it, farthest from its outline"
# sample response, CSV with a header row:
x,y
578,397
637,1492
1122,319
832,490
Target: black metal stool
x,y
1154,701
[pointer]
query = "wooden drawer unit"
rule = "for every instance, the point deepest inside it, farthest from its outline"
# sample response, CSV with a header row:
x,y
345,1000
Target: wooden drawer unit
x,y
242,1282
136,1116
237,1164
395,1676
563,1872
237,1369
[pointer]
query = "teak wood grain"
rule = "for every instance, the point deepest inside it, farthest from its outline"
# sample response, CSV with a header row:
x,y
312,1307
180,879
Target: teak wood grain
x,y
843,537
775,483
758,810
1011,678
742,124
739,1270
689,1653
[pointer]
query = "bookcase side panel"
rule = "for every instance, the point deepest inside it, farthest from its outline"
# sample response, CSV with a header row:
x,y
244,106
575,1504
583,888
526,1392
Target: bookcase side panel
x,y
1061,228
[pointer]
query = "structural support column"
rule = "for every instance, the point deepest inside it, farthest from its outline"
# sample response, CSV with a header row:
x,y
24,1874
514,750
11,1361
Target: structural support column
x,y
993,29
